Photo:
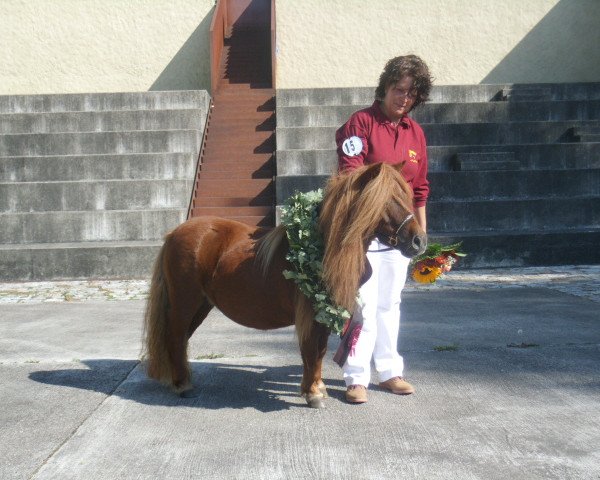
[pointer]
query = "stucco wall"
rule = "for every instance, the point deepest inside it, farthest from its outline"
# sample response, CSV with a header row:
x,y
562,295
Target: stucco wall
x,y
64,46
60,46
342,43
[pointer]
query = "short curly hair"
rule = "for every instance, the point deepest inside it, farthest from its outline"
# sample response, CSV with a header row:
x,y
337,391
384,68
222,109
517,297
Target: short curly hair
x,y
399,67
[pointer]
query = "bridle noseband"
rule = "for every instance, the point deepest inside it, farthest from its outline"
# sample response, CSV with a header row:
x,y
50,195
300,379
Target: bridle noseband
x,y
392,240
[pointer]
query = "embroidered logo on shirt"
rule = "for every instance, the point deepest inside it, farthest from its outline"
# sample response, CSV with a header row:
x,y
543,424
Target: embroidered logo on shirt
x,y
352,146
412,155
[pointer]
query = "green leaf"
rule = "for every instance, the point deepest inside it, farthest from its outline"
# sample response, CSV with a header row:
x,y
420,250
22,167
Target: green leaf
x,y
299,216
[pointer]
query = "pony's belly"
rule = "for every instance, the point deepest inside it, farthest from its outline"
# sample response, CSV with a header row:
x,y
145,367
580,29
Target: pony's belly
x,y
244,295
267,318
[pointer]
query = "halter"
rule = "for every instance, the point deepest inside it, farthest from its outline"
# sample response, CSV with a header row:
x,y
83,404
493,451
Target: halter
x,y
392,240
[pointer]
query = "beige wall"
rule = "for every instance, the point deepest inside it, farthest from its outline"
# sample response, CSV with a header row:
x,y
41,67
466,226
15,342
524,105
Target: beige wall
x,y
339,43
59,46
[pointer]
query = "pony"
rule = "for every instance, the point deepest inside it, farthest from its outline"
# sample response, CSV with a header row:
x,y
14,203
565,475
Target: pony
x,y
211,262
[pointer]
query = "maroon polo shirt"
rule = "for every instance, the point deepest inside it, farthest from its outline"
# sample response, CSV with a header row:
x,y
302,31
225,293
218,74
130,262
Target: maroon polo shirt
x,y
382,142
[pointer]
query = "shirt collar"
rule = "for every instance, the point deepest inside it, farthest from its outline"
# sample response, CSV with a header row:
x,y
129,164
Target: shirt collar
x,y
381,118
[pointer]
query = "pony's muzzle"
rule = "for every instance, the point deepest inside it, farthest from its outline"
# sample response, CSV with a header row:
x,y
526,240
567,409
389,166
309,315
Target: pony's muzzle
x,y
419,243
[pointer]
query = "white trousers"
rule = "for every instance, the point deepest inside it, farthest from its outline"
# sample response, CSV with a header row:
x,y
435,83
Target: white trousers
x,y
380,312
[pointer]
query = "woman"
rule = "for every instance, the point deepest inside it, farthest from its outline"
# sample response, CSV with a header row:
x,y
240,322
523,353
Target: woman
x,y
384,133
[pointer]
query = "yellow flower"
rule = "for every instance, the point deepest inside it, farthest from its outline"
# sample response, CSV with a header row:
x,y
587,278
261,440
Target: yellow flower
x,y
426,274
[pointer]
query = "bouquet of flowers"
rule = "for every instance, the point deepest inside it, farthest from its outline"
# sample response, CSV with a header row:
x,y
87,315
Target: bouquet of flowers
x,y
435,261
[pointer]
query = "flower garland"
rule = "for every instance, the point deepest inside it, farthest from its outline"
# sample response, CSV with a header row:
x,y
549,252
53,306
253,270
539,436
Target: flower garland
x,y
435,261
299,215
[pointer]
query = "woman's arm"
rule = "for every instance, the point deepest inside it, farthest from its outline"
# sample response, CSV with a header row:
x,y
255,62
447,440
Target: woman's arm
x,y
421,217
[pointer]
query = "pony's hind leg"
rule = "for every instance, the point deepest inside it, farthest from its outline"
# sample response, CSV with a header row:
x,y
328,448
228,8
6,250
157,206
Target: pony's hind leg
x,y
184,317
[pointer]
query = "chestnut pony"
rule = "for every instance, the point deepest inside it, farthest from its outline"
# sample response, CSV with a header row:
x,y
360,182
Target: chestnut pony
x,y
212,262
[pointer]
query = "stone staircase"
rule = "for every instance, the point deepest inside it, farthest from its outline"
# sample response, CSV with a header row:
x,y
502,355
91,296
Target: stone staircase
x,y
514,169
236,169
90,183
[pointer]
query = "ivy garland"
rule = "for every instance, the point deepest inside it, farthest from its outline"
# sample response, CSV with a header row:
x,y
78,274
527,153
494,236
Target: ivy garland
x,y
299,215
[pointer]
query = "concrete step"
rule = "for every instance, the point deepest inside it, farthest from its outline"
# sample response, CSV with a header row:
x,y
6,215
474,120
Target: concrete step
x,y
84,143
314,138
485,161
60,261
586,134
539,214
439,94
479,185
530,156
141,166
93,102
518,93
88,226
112,121
94,195
336,115
286,186
534,156
506,185
306,162
525,248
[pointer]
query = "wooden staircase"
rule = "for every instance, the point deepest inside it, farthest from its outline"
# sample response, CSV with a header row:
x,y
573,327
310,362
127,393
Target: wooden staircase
x,y
236,166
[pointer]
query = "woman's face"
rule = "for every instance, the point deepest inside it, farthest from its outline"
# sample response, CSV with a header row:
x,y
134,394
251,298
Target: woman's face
x,y
399,99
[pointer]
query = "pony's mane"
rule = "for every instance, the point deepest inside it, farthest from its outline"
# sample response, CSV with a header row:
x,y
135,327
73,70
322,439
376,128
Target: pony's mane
x,y
266,246
353,206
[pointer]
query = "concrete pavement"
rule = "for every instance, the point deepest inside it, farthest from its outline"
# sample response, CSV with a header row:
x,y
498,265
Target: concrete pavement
x,y
507,387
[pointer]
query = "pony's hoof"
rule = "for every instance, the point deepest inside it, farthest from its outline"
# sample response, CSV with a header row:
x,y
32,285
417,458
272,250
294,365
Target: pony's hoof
x,y
315,401
323,390
189,394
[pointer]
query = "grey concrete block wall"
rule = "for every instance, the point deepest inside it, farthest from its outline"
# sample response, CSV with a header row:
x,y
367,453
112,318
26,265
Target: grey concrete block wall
x,y
110,121
85,143
534,150
496,133
94,195
94,167
494,112
89,226
90,183
94,102
439,94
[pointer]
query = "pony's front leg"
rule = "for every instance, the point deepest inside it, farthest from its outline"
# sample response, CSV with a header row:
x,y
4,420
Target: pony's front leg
x,y
313,348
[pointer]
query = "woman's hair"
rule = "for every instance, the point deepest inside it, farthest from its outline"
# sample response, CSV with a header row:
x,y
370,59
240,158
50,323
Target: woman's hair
x,y
399,67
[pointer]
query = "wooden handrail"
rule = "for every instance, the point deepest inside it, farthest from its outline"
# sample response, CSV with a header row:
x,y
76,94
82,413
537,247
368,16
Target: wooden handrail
x,y
273,46
218,27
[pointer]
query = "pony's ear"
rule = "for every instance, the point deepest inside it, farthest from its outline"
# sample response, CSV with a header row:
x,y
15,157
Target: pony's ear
x,y
368,174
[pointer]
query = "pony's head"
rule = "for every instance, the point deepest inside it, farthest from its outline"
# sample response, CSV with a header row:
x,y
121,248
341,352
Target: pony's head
x,y
370,201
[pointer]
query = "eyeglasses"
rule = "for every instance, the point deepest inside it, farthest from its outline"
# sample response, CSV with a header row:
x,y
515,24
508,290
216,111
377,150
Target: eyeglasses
x,y
412,94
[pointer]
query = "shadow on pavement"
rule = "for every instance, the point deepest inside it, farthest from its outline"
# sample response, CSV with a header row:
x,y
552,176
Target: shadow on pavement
x,y
216,385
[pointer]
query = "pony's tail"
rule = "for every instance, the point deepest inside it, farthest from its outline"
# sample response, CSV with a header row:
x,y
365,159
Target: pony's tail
x,y
155,325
